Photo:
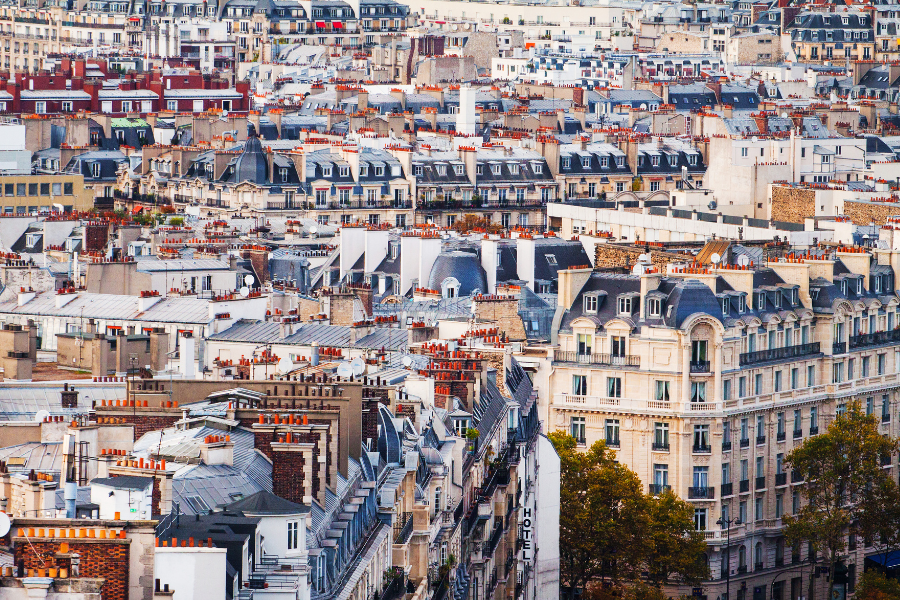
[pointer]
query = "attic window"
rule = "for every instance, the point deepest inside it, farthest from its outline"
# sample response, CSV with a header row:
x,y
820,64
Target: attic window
x,y
844,286
761,301
859,287
326,171
777,300
198,504
590,304
95,169
878,284
725,306
673,158
345,171
495,169
742,303
620,161
513,168
692,159
586,162
418,170
654,307
624,306
794,296
284,174
814,293
459,170
551,259
364,170
538,168
566,162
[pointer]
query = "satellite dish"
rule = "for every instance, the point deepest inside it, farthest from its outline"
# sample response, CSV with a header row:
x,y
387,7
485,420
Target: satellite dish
x,y
754,139
249,279
784,115
645,258
245,291
345,370
715,258
313,230
4,524
40,415
743,261
712,205
284,365
358,366
407,361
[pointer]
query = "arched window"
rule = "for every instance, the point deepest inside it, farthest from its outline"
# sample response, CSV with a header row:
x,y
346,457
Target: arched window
x,y
779,552
758,556
742,558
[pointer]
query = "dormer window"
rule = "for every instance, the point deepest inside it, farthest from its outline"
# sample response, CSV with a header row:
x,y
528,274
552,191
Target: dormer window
x,y
878,284
395,248
692,159
859,286
364,170
441,170
654,160
624,306
495,169
478,170
777,300
284,174
566,162
513,168
590,304
459,170
654,307
418,170
345,171
326,171
742,303
844,286
725,304
379,171
672,160
586,162
604,162
538,168
95,169
761,301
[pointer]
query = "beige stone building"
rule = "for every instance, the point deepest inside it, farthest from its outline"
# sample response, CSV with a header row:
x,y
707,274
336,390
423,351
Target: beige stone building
x,y
703,380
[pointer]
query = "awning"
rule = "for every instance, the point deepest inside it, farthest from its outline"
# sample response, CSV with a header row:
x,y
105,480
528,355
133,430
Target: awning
x,y
337,24
320,23
136,19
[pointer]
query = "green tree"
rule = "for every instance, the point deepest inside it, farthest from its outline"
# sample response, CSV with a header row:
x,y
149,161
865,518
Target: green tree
x,y
875,586
676,548
612,533
844,480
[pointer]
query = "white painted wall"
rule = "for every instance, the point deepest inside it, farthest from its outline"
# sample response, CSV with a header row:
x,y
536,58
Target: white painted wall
x,y
192,573
132,505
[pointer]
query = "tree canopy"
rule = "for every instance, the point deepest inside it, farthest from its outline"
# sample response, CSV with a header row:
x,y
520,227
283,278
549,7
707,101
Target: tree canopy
x,y
611,531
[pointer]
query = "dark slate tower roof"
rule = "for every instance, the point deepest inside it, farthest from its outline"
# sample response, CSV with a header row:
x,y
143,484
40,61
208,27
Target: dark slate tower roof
x,y
463,266
252,165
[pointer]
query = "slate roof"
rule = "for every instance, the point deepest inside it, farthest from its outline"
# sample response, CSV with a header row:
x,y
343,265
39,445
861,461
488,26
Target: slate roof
x,y
124,482
267,503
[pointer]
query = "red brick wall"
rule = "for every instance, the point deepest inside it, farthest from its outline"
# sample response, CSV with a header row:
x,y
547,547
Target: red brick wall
x,y
142,423
102,559
289,475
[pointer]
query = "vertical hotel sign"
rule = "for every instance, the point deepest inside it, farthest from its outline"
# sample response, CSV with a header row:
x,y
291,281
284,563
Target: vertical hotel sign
x,y
526,516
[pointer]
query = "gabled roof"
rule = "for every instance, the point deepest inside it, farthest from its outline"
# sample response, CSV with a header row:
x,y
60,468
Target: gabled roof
x,y
267,503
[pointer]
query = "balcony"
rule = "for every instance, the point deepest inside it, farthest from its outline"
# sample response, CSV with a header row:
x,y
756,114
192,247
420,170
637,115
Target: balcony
x,y
727,489
744,486
886,418
760,483
839,348
726,446
758,566
776,354
699,366
659,447
745,442
780,436
798,433
780,479
878,338
760,440
814,430
610,360
656,488
362,204
742,569
702,449
701,493
796,477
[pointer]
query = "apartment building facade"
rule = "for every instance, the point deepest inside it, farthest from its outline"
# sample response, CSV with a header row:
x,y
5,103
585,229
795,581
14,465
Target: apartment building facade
x,y
704,380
